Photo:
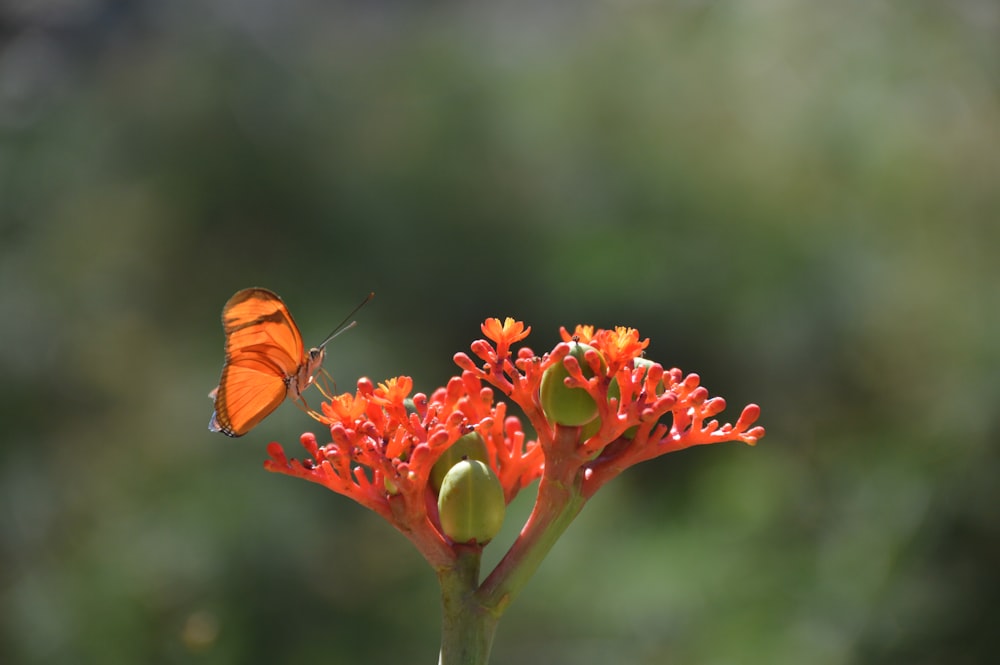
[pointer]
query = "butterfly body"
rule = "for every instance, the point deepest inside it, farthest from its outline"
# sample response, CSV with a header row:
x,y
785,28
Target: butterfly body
x,y
265,363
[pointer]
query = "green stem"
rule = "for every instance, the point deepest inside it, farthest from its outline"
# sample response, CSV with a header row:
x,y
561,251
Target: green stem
x,y
558,503
467,626
555,508
471,615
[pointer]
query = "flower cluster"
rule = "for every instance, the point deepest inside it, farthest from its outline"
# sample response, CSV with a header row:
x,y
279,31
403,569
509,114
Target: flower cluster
x,y
384,443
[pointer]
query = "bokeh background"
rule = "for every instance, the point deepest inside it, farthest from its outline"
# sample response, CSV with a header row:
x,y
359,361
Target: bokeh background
x,y
797,200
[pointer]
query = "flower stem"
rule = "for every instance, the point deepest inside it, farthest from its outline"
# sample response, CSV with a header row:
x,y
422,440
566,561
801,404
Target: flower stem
x,y
467,626
559,502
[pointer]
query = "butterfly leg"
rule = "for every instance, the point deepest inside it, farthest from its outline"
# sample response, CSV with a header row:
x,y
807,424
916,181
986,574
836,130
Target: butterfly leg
x,y
324,382
303,406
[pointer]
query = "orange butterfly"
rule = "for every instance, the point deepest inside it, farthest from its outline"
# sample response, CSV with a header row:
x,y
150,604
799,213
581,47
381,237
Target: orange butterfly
x,y
265,360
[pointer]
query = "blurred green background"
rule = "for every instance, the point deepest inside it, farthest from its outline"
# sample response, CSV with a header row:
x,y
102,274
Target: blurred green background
x,y
797,200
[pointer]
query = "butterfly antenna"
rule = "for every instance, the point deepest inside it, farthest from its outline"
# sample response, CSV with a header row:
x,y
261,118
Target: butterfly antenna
x,y
347,323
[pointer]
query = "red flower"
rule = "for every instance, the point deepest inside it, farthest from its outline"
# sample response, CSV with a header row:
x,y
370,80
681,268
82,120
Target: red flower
x,y
582,334
619,346
507,333
663,410
383,448
384,444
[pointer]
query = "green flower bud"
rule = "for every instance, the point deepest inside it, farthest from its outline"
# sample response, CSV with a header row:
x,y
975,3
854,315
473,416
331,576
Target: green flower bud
x,y
471,504
470,446
563,405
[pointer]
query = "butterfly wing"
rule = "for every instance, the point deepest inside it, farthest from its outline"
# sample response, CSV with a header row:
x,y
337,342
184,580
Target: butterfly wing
x,y
249,391
257,321
264,351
